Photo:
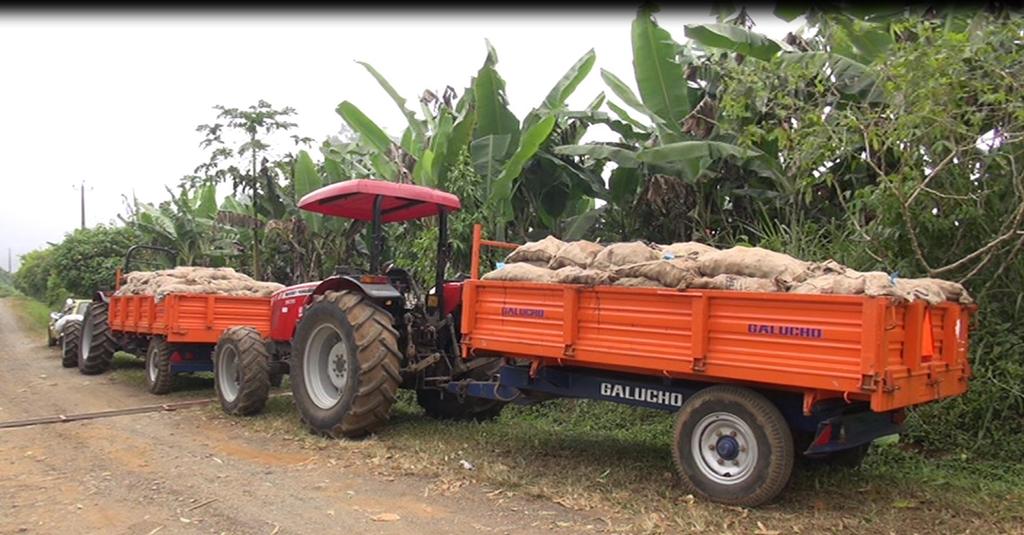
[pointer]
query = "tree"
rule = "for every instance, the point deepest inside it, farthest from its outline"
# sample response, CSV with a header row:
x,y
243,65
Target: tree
x,y
247,160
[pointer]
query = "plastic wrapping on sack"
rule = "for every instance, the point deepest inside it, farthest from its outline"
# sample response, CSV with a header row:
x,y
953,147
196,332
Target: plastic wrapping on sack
x,y
736,282
622,254
589,277
576,253
521,272
690,249
755,262
677,273
536,251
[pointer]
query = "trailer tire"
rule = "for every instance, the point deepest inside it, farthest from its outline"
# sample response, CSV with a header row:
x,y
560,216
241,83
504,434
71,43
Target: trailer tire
x,y
345,365
159,379
724,429
241,371
444,405
97,346
69,343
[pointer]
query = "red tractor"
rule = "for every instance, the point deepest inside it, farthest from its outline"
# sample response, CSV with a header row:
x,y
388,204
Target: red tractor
x,y
351,340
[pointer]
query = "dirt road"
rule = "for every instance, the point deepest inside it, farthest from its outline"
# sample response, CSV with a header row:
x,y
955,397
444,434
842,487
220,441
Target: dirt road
x,y
180,472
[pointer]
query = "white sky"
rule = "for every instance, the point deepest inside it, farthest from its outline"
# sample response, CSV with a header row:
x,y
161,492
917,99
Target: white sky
x,y
114,99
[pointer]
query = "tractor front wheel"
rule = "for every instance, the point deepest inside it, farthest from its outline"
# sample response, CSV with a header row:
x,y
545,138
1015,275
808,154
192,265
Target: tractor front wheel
x,y
345,365
159,379
241,371
97,346
70,340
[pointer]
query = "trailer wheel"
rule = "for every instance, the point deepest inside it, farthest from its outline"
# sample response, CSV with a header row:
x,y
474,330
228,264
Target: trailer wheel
x,y
732,446
344,368
444,405
97,346
241,371
69,343
159,379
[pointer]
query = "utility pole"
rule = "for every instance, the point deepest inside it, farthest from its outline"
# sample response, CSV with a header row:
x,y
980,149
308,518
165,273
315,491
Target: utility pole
x,y
81,189
8,259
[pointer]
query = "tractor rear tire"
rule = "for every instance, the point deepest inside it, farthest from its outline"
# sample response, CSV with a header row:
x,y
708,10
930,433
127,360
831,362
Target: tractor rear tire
x,y
345,365
97,346
71,340
732,446
159,379
443,405
241,371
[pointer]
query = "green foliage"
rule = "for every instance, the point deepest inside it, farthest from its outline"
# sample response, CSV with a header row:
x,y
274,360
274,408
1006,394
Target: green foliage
x,y
987,421
79,266
34,272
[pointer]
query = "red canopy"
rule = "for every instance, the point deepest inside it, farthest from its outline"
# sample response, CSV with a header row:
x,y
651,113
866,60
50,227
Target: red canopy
x,y
401,202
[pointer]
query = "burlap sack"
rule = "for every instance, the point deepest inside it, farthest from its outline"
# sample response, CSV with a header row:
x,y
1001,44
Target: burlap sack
x,y
953,291
677,273
589,277
522,272
838,284
621,254
736,282
536,251
922,289
688,249
755,262
195,280
577,253
637,282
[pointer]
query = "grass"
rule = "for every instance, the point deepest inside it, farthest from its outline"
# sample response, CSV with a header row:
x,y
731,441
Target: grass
x,y
129,369
616,461
35,316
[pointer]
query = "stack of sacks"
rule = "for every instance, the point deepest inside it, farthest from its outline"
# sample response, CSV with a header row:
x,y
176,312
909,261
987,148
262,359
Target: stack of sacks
x,y
195,280
696,265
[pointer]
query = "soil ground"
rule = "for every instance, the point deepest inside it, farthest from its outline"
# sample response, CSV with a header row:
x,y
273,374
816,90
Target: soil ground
x,y
566,466
187,472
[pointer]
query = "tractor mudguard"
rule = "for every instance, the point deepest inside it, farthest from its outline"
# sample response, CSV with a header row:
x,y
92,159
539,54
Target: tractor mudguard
x,y
372,290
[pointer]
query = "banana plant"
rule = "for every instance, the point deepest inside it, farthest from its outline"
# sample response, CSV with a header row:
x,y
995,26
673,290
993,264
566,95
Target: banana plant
x,y
188,225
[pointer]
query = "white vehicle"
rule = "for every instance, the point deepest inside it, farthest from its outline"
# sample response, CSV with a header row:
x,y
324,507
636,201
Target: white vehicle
x,y
73,310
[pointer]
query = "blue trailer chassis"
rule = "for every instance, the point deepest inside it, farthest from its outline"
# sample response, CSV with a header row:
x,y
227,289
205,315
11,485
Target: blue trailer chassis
x,y
835,425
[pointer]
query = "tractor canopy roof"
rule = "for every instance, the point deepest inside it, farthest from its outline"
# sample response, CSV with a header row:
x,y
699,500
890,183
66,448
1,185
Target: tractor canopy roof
x,y
400,202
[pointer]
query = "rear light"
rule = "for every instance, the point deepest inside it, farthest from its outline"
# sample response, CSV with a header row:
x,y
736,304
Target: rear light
x,y
373,279
824,436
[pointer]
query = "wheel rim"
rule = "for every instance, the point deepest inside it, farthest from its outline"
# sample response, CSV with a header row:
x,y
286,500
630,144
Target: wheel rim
x,y
724,448
325,366
227,373
151,370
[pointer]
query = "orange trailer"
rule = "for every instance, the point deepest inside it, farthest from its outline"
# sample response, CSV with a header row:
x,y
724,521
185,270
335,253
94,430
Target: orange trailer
x,y
837,370
187,318
179,334
859,348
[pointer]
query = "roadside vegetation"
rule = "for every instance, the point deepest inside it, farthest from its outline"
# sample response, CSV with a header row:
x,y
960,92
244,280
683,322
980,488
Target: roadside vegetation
x,y
587,455
887,141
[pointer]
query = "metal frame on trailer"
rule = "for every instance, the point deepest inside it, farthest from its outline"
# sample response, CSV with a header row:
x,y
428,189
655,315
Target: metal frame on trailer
x,y
835,426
